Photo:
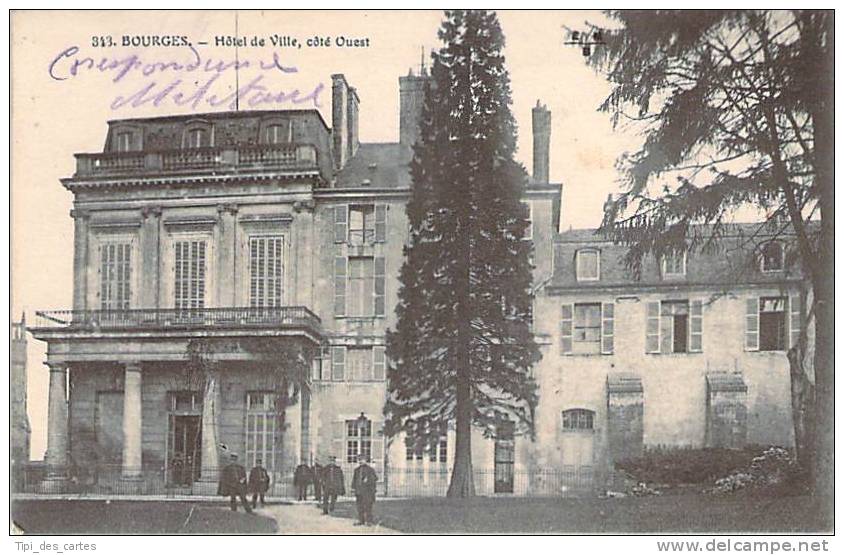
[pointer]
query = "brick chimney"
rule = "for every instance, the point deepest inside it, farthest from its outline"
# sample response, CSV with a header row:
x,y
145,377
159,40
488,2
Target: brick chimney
x,y
541,143
340,119
411,101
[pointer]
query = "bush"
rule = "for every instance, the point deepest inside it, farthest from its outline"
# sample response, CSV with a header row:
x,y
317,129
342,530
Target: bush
x,y
773,471
674,466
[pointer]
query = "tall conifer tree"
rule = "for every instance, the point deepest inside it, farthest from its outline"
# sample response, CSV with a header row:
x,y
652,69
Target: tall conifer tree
x,y
462,349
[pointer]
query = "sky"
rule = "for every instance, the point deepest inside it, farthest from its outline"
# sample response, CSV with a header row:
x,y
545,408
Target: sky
x,y
56,113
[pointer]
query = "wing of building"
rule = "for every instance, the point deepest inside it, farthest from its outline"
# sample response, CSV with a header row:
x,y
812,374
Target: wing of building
x,y
223,228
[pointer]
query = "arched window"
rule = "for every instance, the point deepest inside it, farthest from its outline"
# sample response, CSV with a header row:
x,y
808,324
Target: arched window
x,y
277,133
198,134
773,258
578,419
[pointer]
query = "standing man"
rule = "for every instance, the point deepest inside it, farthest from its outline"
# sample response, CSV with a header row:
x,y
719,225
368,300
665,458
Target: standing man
x,y
302,478
364,483
333,484
233,483
317,472
259,482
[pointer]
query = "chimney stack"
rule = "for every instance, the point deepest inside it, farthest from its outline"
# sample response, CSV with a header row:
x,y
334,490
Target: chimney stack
x,y
411,101
541,143
352,109
340,130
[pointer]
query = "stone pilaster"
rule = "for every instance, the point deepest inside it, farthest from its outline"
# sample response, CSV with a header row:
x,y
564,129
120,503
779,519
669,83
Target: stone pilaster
x,y
57,443
209,473
227,256
80,259
132,458
151,256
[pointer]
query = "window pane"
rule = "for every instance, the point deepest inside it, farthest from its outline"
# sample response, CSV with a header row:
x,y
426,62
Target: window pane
x,y
587,265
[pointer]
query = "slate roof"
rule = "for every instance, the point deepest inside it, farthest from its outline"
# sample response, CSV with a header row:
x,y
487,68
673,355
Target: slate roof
x,y
377,165
734,261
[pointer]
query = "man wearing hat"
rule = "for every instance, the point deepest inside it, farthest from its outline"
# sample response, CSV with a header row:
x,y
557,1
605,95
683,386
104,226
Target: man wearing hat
x,y
333,484
364,482
233,483
259,482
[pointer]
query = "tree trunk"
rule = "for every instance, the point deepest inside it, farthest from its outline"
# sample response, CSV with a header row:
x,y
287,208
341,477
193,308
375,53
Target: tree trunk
x,y
823,473
462,480
802,406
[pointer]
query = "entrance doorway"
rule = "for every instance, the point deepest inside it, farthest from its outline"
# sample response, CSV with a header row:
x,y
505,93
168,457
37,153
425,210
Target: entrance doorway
x,y
505,458
185,449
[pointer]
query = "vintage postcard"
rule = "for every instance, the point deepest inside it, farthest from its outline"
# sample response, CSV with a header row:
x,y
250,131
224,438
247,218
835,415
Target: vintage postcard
x,y
422,272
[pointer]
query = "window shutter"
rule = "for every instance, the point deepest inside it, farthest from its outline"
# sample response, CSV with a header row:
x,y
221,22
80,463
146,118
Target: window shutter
x,y
339,286
795,321
751,333
566,329
379,363
341,215
380,286
607,328
380,223
338,363
652,328
378,448
338,434
696,326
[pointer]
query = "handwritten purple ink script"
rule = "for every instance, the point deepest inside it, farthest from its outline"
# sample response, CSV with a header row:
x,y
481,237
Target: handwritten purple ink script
x,y
187,82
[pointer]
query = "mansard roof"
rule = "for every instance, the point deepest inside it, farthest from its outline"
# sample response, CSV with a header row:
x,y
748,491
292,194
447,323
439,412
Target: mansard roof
x,y
377,165
734,260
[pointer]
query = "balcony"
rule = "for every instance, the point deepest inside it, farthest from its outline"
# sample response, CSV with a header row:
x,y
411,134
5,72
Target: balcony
x,y
299,157
163,320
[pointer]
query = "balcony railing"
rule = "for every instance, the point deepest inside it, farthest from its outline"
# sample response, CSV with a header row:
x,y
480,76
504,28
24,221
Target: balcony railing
x,y
170,318
281,156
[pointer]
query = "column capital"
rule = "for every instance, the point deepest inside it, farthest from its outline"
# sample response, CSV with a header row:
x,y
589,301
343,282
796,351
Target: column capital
x,y
77,213
148,211
56,366
229,208
132,366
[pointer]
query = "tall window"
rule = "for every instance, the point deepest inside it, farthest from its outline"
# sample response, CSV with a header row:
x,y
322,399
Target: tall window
x,y
261,420
361,224
772,324
772,257
266,271
674,264
675,327
197,138
359,364
358,439
588,265
115,276
587,328
190,274
361,287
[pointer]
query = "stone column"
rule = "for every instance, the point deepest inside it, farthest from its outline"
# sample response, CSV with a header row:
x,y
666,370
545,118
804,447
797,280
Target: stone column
x,y
209,473
80,259
132,459
57,444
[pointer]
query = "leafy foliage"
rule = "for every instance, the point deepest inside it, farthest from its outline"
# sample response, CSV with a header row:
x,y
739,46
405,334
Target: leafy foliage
x,y
464,301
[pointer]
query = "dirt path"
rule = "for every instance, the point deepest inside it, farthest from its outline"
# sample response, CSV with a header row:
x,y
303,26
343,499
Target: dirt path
x,y
307,518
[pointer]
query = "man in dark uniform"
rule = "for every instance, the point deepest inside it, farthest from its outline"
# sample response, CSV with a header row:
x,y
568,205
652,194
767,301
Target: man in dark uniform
x,y
364,482
317,472
259,482
233,483
333,484
302,478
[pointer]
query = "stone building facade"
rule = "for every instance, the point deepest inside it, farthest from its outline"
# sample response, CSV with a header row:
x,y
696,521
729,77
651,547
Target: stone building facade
x,y
226,227
18,417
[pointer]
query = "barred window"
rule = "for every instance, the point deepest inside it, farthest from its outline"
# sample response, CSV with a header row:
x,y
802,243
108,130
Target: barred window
x,y
578,419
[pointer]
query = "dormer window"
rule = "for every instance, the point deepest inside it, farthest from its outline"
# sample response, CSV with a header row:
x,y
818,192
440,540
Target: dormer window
x,y
197,138
588,265
198,134
277,133
125,141
674,264
773,259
